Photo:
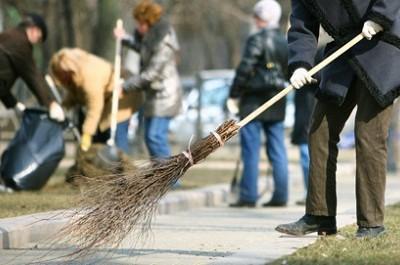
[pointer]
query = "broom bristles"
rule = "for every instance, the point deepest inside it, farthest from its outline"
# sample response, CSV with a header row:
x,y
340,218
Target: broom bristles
x,y
117,205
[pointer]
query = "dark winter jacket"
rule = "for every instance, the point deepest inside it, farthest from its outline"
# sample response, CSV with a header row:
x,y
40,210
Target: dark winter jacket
x,y
159,76
304,103
16,60
375,62
265,45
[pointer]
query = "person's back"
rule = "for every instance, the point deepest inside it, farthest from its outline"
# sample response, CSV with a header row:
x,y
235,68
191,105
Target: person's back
x,y
260,75
271,49
16,60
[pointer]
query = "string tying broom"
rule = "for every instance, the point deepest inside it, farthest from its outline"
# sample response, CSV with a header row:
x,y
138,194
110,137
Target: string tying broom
x,y
120,204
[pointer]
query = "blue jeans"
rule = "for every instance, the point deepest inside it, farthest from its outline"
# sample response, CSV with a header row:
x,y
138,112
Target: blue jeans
x,y
305,163
156,136
121,136
250,140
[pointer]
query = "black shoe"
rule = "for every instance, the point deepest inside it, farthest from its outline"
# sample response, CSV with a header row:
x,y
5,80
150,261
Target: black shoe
x,y
274,204
324,225
240,204
364,232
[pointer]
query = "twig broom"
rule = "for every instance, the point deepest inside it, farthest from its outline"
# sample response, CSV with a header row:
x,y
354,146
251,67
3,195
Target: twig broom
x,y
120,204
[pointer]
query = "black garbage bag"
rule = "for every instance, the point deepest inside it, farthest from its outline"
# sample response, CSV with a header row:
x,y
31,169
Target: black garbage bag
x,y
34,153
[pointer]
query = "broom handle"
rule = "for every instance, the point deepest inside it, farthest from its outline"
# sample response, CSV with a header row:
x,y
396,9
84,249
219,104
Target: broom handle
x,y
58,98
312,72
115,93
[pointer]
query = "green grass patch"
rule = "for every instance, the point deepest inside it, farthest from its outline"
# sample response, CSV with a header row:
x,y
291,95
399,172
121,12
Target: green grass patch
x,y
347,250
58,195
196,178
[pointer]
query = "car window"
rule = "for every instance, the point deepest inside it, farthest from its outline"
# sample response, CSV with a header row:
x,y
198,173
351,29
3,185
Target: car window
x,y
215,92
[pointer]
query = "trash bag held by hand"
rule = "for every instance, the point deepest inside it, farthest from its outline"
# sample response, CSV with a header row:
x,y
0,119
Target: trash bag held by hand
x,y
34,153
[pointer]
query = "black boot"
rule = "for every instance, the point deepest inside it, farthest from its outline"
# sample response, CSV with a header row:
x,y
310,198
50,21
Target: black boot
x,y
364,232
324,225
274,204
240,204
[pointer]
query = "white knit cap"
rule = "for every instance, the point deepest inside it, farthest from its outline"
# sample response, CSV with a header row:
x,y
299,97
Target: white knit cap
x,y
269,11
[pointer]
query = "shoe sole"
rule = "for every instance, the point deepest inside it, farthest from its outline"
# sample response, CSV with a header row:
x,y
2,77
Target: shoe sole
x,y
320,232
290,232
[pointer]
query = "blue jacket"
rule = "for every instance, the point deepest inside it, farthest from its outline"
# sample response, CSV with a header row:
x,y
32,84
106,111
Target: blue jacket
x,y
375,62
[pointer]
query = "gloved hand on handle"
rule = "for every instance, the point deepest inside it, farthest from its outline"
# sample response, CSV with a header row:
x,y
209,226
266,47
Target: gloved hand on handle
x,y
301,77
119,32
232,104
56,112
370,29
86,142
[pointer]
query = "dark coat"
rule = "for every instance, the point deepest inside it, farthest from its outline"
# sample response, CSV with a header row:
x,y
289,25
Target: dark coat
x,y
375,62
304,103
270,41
16,60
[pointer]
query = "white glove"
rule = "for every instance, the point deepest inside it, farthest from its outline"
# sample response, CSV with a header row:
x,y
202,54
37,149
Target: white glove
x,y
119,33
370,29
20,107
301,77
56,112
232,104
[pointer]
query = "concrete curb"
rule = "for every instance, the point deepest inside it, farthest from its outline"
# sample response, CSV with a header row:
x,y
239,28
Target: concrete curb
x,y
20,232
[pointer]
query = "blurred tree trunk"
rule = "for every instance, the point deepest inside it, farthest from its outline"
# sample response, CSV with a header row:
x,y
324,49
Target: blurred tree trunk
x,y
103,38
1,16
69,26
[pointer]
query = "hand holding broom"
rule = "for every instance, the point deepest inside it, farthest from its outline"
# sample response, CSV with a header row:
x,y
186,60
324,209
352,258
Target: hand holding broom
x,y
125,203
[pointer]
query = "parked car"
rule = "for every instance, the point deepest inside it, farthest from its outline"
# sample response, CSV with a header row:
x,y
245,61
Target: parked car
x,y
203,105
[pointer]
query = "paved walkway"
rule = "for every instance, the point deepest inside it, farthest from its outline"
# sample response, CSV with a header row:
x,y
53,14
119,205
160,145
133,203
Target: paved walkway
x,y
218,235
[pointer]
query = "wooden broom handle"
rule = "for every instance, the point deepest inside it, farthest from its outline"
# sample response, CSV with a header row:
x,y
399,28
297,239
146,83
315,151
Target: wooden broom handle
x,y
312,72
116,91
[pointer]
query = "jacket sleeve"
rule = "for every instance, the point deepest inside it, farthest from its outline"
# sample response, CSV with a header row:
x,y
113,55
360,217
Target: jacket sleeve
x,y
133,41
252,51
384,12
94,103
28,71
302,37
9,100
281,51
162,55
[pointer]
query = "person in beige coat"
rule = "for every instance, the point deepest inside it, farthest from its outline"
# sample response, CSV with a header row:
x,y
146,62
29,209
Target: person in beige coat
x,y
88,82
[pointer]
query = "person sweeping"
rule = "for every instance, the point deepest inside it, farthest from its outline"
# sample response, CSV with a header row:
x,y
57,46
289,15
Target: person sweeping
x,y
367,78
120,204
